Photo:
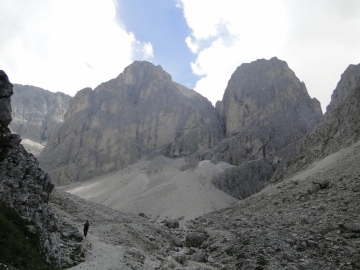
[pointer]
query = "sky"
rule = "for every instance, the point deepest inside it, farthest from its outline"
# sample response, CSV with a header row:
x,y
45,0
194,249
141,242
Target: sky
x,y
67,45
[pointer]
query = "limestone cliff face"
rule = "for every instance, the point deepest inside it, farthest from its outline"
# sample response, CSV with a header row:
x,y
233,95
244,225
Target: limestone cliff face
x,y
124,119
37,112
347,84
265,111
340,129
23,185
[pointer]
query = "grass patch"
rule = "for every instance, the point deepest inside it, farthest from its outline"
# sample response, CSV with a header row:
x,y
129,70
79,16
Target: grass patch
x,y
19,246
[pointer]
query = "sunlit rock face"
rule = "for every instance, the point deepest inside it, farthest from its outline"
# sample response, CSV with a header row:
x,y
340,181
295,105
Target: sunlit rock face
x,y
122,120
348,82
265,111
23,185
36,114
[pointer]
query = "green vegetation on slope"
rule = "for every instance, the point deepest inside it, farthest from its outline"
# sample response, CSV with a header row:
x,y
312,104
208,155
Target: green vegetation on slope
x,y
19,242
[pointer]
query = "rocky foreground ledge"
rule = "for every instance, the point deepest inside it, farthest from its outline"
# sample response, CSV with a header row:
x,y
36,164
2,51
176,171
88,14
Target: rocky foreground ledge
x,y
23,185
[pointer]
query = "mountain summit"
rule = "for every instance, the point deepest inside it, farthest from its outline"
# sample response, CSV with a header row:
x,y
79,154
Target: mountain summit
x,y
126,118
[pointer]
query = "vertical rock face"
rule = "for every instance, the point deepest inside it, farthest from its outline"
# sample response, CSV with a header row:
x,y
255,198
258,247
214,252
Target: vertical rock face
x,y
347,84
23,185
37,112
125,118
265,110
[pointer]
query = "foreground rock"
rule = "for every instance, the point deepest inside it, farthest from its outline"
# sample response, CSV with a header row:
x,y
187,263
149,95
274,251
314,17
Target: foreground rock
x,y
23,185
122,120
36,114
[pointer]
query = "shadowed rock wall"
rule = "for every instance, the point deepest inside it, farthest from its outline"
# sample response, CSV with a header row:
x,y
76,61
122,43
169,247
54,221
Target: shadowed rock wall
x,y
340,129
23,185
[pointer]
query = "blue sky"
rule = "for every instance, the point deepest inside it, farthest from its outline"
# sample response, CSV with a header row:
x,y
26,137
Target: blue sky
x,y
68,45
162,24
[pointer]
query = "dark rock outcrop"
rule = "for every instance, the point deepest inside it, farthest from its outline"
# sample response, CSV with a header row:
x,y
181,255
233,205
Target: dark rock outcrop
x,y
122,120
348,82
37,113
23,185
244,180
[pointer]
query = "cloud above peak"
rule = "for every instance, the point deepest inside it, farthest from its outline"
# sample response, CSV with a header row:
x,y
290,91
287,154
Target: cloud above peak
x,y
65,45
318,40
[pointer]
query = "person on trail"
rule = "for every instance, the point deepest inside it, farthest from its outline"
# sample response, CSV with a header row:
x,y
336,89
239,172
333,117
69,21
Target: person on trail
x,y
86,227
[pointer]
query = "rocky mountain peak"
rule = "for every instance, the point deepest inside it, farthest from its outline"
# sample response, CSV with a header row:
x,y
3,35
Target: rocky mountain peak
x,y
347,83
141,71
122,120
261,88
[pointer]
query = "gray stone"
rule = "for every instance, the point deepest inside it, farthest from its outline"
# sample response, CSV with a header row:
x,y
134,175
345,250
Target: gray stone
x,y
289,256
313,188
195,239
172,224
137,254
176,241
180,257
199,256
322,183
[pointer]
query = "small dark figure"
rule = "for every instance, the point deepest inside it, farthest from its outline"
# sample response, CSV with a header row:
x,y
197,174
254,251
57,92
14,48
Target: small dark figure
x,y
86,227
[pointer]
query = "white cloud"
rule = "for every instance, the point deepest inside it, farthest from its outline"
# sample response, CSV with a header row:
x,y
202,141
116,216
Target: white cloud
x,y
142,51
64,45
318,39
193,47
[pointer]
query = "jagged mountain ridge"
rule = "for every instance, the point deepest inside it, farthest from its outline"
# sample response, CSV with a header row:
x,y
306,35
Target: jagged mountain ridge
x,y
120,121
142,110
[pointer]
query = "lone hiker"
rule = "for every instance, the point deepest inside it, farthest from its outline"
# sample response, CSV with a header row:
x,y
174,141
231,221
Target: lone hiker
x,y
86,227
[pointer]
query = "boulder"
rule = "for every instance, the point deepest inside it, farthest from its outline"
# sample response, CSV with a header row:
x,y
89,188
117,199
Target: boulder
x,y
195,239
172,223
